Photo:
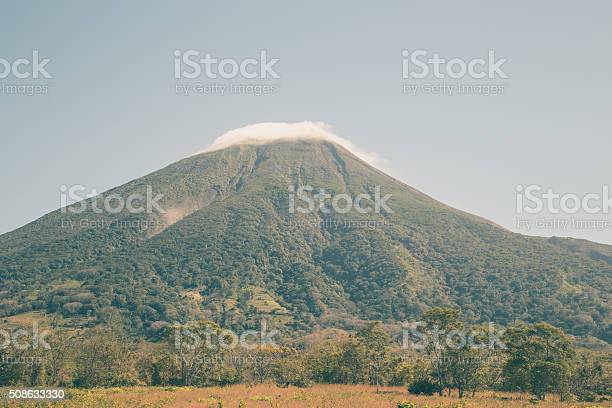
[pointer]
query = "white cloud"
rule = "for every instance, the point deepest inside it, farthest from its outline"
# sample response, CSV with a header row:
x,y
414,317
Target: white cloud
x,y
269,132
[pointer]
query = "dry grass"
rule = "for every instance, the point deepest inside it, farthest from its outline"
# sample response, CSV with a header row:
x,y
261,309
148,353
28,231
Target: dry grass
x,y
270,396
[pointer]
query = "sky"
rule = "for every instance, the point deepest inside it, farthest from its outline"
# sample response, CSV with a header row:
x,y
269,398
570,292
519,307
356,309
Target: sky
x,y
113,110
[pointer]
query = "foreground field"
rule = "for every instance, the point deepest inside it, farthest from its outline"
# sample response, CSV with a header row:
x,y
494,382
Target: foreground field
x,y
270,396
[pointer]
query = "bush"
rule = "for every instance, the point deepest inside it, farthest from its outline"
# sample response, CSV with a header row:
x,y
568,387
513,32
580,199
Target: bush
x,y
587,396
424,387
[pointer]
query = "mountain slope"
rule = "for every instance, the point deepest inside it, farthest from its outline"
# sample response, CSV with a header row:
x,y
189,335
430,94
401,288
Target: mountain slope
x,y
228,249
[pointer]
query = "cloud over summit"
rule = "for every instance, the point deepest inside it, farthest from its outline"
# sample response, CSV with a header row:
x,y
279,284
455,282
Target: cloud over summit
x,y
270,132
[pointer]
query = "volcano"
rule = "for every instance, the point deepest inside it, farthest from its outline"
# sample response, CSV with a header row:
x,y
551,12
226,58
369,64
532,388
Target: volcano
x,y
228,245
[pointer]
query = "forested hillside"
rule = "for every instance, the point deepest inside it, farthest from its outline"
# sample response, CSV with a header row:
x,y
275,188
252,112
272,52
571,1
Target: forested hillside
x,y
228,249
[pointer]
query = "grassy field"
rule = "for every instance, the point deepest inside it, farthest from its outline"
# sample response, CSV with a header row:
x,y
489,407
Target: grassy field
x,y
270,396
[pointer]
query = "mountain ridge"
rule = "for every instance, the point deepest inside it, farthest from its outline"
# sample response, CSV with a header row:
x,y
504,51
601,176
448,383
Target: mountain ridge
x,y
232,244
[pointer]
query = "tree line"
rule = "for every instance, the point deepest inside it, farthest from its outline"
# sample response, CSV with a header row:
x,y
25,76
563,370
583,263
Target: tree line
x,y
539,359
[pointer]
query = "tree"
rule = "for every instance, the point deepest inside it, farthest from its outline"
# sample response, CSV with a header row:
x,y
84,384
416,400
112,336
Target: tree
x,y
439,322
291,369
198,352
539,359
104,358
592,375
464,369
374,343
59,370
261,363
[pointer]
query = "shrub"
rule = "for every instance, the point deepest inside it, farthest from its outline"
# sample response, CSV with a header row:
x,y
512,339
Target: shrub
x,y
424,387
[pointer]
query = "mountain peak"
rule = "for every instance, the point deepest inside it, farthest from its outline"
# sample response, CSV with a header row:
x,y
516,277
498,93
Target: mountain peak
x,y
232,241
273,132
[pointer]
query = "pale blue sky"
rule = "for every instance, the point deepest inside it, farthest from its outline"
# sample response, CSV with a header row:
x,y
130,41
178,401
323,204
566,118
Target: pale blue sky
x,y
111,113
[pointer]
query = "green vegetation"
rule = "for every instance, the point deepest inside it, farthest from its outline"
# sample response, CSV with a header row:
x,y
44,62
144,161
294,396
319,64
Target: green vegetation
x,y
538,359
228,250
